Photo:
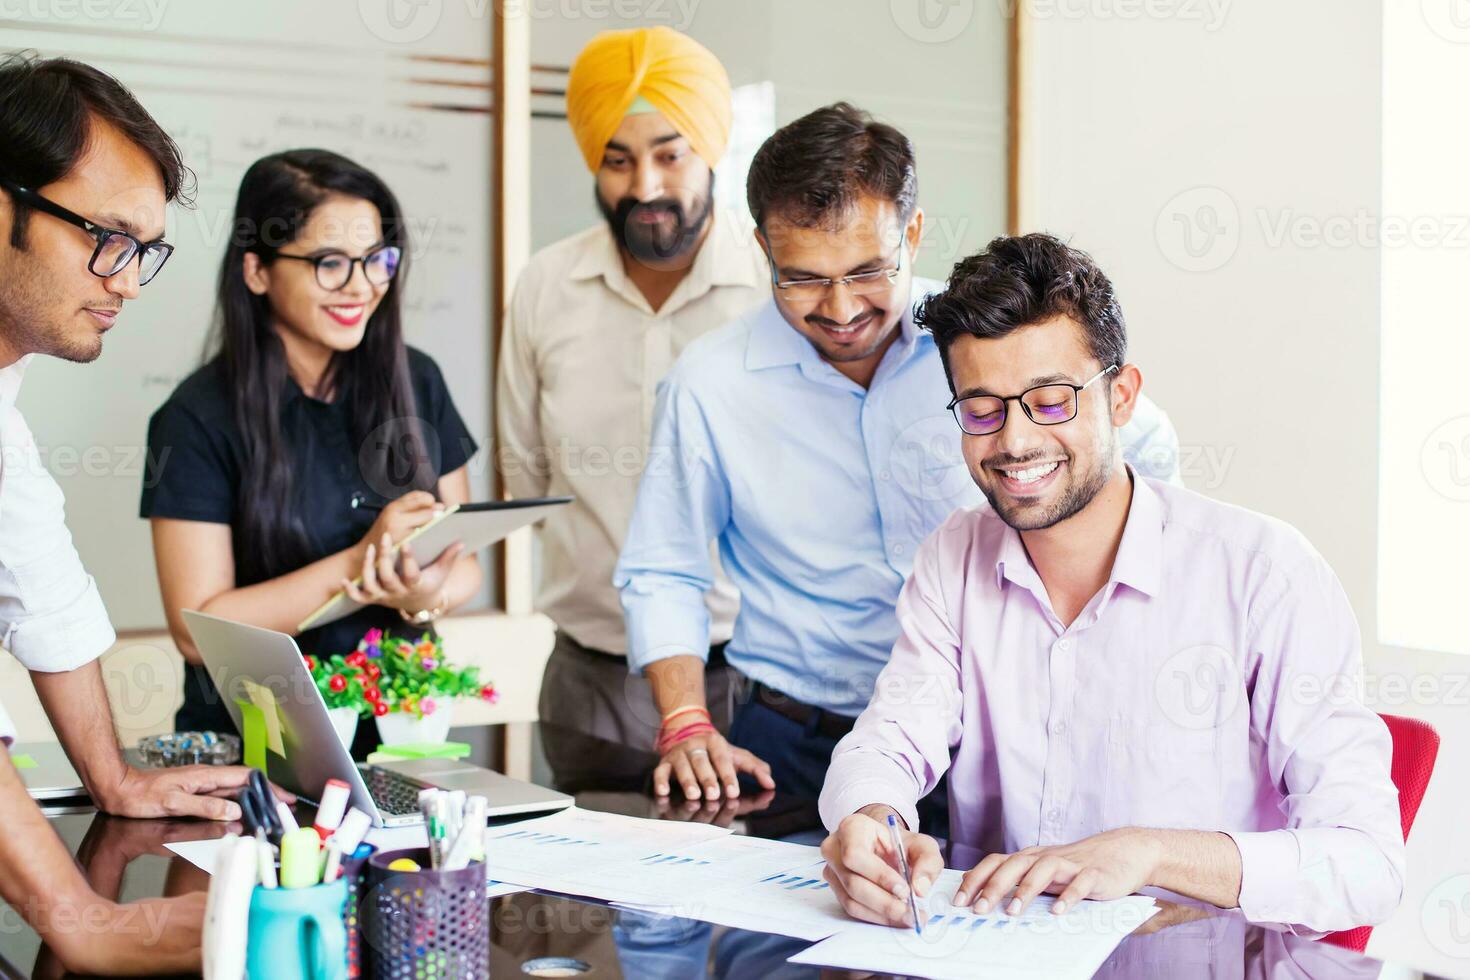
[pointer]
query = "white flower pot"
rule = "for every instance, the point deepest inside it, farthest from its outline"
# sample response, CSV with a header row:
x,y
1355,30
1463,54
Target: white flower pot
x,y
344,723
407,728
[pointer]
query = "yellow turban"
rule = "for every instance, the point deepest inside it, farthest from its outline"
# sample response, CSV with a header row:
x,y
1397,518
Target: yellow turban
x,y
674,73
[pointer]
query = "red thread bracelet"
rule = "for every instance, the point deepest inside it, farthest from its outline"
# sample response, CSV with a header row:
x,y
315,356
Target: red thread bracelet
x,y
666,742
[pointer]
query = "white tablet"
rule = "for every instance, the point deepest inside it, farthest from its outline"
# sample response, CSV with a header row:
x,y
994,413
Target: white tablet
x,y
477,526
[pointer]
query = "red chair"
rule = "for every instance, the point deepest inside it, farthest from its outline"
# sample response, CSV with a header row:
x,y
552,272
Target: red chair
x,y
1415,745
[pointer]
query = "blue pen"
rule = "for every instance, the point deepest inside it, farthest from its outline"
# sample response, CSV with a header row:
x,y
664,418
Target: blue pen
x,y
903,866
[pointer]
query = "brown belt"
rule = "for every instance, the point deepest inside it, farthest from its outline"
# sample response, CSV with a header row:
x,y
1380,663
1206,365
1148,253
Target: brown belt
x,y
826,723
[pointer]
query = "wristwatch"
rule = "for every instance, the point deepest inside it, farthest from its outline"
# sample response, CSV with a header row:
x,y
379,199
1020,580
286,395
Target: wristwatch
x,y
427,615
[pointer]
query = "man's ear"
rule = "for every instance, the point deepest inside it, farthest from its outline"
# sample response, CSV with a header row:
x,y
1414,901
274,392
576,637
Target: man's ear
x,y
914,233
257,274
1126,387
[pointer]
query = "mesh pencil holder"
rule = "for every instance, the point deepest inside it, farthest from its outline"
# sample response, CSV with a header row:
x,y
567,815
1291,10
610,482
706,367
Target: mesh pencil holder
x,y
425,925
354,871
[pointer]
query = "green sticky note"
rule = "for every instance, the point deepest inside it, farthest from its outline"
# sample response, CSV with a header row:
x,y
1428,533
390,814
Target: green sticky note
x,y
270,712
23,761
252,735
421,750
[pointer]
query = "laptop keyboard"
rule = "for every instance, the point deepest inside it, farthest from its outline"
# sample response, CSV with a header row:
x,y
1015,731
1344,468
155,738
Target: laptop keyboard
x,y
394,793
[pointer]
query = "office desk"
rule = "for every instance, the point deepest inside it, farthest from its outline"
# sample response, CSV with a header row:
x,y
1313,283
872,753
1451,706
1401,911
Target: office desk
x,y
126,859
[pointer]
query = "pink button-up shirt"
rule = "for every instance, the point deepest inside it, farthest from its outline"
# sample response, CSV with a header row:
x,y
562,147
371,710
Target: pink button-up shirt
x,y
1212,684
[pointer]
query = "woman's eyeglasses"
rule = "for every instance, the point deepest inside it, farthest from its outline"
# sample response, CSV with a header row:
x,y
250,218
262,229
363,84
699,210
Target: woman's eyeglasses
x,y
334,269
115,249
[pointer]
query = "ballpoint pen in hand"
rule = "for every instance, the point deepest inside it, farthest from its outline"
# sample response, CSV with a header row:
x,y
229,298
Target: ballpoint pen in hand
x,y
903,867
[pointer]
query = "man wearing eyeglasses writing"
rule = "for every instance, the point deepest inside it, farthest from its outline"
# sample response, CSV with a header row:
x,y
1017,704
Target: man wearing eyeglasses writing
x,y
806,439
85,175
1110,669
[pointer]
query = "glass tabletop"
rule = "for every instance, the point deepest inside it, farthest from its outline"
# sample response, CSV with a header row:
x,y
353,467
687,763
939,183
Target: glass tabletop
x,y
537,934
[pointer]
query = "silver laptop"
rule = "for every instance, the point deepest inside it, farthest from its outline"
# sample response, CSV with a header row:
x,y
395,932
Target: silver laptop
x,y
388,791
46,771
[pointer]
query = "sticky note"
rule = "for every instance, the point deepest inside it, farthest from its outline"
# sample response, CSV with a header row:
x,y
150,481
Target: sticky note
x,y
270,711
23,761
252,734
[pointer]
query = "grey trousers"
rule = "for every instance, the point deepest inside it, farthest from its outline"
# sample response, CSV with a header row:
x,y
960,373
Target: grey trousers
x,y
590,692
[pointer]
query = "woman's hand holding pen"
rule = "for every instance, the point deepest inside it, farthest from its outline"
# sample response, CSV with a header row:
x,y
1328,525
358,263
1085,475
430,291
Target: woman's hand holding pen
x,y
397,580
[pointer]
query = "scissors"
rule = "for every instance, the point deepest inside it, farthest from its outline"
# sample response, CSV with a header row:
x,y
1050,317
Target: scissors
x,y
258,807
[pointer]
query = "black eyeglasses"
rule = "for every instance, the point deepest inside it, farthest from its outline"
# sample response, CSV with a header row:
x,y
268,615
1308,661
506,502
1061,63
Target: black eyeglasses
x,y
334,269
1049,404
115,249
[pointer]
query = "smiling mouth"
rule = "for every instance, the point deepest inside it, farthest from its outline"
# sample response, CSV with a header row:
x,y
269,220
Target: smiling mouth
x,y
847,331
347,316
1028,479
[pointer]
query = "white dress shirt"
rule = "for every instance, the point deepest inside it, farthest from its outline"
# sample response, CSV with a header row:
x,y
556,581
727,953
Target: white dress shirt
x,y
580,363
51,614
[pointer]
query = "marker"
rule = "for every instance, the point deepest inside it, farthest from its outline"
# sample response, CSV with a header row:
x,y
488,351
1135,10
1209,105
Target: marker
x,y
352,830
903,866
265,860
474,824
456,814
333,807
403,864
300,860
288,819
333,870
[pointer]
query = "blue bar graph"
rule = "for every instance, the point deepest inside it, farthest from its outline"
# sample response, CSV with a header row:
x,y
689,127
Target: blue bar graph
x,y
794,882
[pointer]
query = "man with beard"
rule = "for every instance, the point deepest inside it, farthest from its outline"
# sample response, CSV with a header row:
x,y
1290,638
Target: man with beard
x,y
1123,670
85,174
806,439
595,322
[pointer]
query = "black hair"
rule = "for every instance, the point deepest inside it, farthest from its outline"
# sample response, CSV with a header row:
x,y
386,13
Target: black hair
x,y
814,169
277,196
47,109
1022,280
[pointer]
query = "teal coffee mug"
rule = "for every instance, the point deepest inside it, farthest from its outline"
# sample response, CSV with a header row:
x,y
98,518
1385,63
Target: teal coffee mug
x,y
297,933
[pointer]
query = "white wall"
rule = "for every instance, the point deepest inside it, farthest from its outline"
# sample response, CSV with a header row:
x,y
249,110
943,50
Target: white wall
x,y
943,84
1211,156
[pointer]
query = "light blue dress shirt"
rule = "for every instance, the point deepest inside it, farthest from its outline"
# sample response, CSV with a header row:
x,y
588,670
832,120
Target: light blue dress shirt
x,y
818,491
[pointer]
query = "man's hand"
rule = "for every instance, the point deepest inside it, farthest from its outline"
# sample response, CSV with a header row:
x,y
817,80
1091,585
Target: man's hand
x,y
863,868
1108,865
711,762
187,791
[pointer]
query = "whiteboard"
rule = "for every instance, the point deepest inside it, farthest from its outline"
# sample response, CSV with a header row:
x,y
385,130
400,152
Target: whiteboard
x,y
232,83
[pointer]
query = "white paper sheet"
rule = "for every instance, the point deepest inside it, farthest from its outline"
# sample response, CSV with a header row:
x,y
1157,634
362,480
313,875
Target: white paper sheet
x,y
956,944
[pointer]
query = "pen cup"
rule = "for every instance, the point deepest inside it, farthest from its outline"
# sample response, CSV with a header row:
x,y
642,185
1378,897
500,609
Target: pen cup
x,y
297,933
426,923
354,873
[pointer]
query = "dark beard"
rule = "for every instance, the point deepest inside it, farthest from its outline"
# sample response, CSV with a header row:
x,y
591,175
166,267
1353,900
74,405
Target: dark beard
x,y
1076,496
653,243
